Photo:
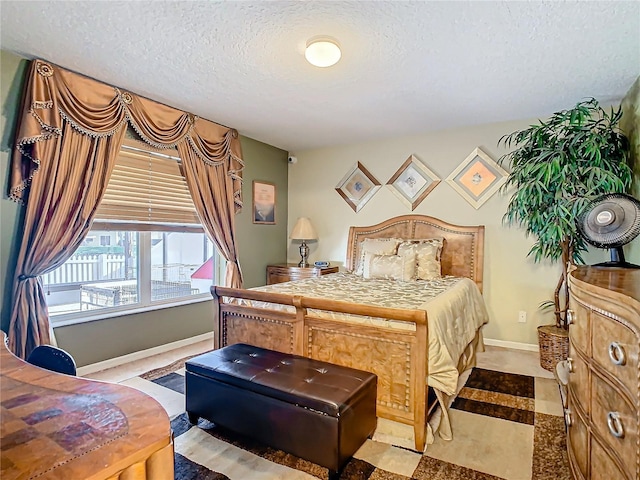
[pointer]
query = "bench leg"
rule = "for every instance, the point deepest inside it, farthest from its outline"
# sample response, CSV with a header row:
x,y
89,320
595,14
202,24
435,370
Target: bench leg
x,y
193,418
334,475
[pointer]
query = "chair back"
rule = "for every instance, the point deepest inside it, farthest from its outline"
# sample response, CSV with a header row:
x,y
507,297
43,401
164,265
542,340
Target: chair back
x,y
52,358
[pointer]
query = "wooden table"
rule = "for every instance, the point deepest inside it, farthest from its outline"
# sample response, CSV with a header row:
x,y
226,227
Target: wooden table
x,y
56,426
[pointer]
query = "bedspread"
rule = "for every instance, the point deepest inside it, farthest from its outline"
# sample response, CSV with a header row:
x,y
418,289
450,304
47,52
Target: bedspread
x,y
455,310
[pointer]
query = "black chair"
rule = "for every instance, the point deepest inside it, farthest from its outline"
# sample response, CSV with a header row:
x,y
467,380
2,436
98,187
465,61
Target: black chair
x,y
52,358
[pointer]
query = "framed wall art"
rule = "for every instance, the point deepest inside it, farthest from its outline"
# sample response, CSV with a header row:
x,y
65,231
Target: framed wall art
x,y
264,203
477,178
412,182
357,187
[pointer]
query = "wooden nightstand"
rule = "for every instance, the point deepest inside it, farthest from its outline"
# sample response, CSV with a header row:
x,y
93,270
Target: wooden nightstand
x,y
287,272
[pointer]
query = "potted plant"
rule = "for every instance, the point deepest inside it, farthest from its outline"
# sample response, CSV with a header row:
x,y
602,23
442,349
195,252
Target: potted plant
x,y
557,167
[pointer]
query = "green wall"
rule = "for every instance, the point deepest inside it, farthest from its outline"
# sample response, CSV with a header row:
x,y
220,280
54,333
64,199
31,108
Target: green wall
x,y
100,340
630,124
262,245
12,73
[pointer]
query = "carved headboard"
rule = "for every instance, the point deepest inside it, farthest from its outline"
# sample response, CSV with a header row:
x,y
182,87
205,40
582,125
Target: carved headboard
x,y
462,252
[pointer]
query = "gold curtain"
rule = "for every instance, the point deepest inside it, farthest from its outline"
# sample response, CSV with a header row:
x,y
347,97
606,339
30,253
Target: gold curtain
x,y
209,186
70,132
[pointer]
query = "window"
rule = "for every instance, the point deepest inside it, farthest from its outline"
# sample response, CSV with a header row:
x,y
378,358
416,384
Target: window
x,y
146,248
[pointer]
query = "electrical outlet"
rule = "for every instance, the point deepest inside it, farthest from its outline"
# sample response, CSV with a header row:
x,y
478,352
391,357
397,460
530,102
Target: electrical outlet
x,y
522,316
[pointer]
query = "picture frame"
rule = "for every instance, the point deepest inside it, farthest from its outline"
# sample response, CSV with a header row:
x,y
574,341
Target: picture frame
x,y
477,178
264,203
357,186
412,182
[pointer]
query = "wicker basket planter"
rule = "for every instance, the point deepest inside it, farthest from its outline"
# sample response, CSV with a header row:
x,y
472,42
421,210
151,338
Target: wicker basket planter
x,y
554,346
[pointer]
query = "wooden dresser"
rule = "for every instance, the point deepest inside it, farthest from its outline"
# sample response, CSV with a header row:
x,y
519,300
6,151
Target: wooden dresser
x,y
602,413
62,427
288,272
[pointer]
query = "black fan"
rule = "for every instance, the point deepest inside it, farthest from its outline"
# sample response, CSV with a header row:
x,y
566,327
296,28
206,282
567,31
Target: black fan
x,y
611,221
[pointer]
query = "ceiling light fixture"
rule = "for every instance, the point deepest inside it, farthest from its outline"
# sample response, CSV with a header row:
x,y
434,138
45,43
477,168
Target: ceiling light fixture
x,y
322,51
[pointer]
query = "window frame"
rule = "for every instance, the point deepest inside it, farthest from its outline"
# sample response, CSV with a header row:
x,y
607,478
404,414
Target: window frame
x,y
144,245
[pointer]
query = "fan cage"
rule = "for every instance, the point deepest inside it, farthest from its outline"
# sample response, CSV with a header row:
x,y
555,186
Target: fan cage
x,y
613,239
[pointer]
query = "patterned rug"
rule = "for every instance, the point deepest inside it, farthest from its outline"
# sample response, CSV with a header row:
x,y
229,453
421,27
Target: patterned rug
x,y
500,432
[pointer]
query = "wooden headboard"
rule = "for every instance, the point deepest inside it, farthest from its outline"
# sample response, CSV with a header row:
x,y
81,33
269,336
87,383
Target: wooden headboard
x,y
462,251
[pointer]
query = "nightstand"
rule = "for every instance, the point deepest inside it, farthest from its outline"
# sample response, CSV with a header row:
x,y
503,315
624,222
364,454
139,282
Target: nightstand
x,y
287,272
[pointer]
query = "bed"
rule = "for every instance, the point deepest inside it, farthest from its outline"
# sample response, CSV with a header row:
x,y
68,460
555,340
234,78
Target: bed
x,y
376,335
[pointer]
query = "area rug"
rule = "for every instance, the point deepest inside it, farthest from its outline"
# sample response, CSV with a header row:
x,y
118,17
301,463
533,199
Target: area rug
x,y
500,432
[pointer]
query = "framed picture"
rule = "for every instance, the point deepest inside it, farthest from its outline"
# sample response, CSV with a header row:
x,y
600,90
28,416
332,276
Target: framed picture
x,y
357,187
477,178
264,203
412,182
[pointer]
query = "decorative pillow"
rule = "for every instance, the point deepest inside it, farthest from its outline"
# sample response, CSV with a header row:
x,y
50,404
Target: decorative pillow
x,y
427,254
376,246
394,267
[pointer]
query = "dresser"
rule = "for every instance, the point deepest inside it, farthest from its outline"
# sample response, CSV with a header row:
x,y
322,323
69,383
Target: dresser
x,y
287,272
603,405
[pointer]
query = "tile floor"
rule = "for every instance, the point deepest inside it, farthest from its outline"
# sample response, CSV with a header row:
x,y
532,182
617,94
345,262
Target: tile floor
x,y
513,439
493,358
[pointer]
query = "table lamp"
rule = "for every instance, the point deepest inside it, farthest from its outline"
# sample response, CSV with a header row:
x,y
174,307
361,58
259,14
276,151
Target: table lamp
x,y
303,230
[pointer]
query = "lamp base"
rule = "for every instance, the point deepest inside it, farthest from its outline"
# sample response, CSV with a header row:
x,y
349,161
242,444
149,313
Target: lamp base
x,y
304,253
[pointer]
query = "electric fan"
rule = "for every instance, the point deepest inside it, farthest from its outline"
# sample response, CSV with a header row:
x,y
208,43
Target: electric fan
x,y
611,221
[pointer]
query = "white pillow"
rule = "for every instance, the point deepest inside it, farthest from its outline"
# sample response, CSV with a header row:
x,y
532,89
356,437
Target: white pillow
x,y
427,252
376,246
394,267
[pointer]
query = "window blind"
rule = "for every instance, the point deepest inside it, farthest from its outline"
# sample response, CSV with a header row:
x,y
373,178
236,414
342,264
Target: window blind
x,y
146,191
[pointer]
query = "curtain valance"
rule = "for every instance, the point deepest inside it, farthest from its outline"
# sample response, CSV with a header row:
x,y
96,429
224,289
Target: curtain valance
x,y
53,95
70,134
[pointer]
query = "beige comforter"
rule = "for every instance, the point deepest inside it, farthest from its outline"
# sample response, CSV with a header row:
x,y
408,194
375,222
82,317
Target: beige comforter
x,y
455,309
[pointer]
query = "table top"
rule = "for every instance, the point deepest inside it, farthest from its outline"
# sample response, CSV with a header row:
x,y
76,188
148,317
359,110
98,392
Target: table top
x,y
56,426
624,281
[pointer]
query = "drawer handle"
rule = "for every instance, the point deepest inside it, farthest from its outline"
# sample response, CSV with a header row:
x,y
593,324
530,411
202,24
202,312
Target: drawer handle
x,y
568,417
570,364
616,354
615,424
570,319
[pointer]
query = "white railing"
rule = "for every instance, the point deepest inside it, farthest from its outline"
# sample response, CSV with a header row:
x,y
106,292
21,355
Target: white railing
x,y
87,268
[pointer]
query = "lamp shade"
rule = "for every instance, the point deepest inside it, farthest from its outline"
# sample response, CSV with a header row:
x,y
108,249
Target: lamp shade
x,y
303,230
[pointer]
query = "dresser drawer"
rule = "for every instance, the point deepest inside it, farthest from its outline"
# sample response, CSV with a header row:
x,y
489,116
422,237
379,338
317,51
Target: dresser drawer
x,y
615,349
579,326
577,439
603,467
579,383
611,414
276,277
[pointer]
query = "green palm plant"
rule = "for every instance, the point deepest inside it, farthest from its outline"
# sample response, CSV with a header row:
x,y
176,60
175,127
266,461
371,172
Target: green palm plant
x,y
557,167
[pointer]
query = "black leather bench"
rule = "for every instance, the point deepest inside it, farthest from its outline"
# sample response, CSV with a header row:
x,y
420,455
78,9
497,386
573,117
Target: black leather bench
x,y
315,410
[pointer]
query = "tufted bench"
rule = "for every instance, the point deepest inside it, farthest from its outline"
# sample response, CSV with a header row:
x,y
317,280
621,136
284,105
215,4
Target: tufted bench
x,y
315,410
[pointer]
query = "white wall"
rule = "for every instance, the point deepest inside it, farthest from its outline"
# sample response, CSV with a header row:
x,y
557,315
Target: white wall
x,y
512,282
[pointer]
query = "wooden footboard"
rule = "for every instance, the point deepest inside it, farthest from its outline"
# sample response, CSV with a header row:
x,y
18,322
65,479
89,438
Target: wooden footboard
x,y
398,357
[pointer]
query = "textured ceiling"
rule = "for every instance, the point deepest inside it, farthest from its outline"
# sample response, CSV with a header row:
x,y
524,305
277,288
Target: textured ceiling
x,y
407,67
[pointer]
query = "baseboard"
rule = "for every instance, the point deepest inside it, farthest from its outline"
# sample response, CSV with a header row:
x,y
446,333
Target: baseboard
x,y
515,345
130,357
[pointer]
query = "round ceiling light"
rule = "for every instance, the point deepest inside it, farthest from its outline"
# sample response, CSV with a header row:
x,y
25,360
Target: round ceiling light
x,y
322,51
